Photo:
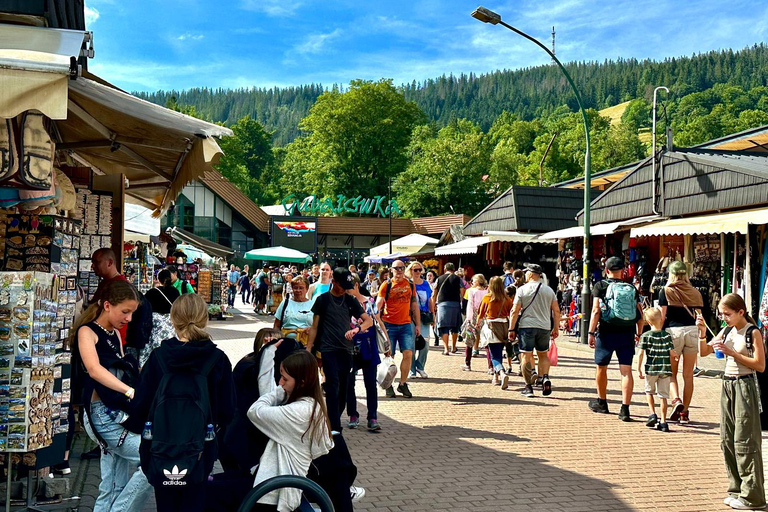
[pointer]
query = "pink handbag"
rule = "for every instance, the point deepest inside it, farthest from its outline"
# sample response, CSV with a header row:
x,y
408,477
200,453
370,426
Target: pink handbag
x,y
552,353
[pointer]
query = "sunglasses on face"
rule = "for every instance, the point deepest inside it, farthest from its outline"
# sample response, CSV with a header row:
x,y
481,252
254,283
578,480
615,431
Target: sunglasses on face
x,y
399,269
418,270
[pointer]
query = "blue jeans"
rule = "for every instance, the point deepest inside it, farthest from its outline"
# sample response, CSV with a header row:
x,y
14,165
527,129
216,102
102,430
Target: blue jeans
x,y
496,350
418,362
401,334
123,487
371,394
231,294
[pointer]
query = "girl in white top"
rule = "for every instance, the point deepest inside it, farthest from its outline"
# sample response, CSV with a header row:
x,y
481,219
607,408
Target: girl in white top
x,y
740,434
474,299
294,418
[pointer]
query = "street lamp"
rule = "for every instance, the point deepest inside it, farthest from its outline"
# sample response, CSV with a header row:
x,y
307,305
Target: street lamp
x,y
488,16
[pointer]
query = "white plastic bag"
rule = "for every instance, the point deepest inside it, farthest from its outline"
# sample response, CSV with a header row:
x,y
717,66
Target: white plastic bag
x,y
385,374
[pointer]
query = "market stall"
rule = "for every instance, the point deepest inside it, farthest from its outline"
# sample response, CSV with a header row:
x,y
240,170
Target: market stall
x,y
73,149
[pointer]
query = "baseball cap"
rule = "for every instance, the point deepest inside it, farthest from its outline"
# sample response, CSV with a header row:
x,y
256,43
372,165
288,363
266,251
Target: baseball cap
x,y
343,277
371,271
533,267
678,268
614,263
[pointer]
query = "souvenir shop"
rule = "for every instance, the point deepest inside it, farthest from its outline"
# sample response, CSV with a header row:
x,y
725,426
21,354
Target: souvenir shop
x,y
73,150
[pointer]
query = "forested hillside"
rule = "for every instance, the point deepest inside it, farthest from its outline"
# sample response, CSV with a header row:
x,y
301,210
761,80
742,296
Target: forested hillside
x,y
528,93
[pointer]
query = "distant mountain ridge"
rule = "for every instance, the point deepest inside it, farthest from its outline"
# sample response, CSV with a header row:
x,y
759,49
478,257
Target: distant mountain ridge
x,y
528,93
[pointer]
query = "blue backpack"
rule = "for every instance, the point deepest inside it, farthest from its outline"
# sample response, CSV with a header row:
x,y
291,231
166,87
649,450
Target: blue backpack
x,y
619,306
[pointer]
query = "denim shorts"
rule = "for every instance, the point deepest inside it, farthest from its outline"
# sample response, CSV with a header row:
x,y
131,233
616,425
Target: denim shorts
x,y
623,343
531,339
402,335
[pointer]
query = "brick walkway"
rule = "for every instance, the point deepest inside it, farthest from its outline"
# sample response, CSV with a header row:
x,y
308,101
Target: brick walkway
x,y
463,444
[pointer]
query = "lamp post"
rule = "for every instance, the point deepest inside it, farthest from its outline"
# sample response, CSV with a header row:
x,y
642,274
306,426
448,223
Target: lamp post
x,y
488,16
390,215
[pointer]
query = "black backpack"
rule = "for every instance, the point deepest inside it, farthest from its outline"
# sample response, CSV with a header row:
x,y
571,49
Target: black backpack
x,y
140,327
179,415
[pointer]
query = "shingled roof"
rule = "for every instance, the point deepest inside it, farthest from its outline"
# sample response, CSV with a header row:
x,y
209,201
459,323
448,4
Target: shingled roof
x,y
528,209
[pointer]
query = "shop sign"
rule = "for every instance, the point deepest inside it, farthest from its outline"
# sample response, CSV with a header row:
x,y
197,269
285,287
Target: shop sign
x,y
313,205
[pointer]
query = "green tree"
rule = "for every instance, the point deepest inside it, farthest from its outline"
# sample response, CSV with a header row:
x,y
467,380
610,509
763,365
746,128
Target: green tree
x,y
637,114
356,141
446,172
248,160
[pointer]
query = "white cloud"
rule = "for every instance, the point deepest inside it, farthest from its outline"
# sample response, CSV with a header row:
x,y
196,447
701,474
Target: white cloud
x,y
91,15
316,43
190,37
272,7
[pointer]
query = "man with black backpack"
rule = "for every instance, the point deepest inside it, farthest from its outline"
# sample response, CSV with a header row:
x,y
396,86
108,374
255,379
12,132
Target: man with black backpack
x,y
618,313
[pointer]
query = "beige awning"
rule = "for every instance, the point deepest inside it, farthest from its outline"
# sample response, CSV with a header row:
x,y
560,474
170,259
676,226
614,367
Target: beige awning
x,y
157,149
514,236
34,69
597,229
466,246
735,222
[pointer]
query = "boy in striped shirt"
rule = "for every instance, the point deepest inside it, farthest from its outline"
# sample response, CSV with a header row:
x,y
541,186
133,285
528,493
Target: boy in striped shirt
x,y
657,349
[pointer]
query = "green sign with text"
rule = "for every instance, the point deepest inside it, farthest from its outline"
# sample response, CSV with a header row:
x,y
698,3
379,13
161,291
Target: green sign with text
x,y
312,205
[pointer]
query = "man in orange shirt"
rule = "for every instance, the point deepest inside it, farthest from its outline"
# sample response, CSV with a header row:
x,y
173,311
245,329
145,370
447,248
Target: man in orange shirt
x,y
400,307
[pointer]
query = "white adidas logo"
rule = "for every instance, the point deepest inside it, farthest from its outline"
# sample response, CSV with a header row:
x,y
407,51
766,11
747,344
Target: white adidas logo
x,y
174,476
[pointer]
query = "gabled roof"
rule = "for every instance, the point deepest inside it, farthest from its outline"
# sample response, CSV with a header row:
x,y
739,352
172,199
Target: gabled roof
x,y
603,178
236,199
528,209
438,225
694,181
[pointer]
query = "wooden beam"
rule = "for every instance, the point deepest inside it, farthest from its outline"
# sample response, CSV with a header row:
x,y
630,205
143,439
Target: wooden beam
x,y
156,184
64,146
94,123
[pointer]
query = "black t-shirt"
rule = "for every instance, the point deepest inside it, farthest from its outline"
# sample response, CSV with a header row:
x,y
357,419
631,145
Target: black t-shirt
x,y
449,288
677,316
598,292
335,320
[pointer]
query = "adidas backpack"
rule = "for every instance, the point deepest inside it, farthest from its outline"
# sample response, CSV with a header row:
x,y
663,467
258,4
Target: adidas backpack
x,y
177,431
619,306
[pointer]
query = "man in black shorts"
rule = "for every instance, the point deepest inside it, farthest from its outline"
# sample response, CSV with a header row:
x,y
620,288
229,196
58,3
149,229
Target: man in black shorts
x,y
447,302
617,310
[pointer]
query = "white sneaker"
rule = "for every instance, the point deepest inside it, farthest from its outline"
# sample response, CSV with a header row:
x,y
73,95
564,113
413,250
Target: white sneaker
x,y
357,493
728,499
504,381
738,504
422,374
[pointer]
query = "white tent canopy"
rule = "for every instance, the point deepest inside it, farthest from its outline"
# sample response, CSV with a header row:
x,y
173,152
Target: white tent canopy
x,y
278,253
408,244
466,246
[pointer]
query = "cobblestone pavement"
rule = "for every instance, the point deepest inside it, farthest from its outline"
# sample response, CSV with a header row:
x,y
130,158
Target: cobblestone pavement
x,y
463,444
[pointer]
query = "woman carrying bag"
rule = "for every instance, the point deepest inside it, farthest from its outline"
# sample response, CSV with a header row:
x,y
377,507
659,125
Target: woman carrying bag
x,y
294,315
493,325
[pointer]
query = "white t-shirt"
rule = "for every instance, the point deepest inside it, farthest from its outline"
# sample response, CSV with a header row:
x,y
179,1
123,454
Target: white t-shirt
x,y
537,315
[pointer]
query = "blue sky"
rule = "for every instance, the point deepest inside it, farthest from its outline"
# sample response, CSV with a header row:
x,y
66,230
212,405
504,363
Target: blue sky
x,y
146,45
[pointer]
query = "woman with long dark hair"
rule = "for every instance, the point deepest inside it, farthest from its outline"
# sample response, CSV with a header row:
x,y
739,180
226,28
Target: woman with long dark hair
x,y
295,420
740,436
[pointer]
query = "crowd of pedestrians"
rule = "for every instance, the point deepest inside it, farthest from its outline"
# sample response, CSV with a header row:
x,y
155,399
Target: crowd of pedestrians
x,y
163,420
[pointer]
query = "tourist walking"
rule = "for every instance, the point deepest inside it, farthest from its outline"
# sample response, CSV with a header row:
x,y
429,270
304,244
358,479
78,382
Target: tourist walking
x,y
400,311
657,349
372,283
97,349
332,333
680,304
474,298
160,299
493,325
415,272
366,359
535,320
245,287
740,436
233,277
262,290
431,278
323,284
294,315
447,297
615,325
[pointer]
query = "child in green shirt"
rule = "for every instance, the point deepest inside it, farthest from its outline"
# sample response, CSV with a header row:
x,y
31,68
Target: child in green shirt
x,y
657,345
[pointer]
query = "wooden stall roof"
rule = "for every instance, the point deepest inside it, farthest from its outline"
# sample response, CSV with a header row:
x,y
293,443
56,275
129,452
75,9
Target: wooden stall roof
x,y
438,225
694,181
754,139
363,226
528,209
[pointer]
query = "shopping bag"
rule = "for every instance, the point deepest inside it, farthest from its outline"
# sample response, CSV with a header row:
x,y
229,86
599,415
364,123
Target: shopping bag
x,y
552,353
385,375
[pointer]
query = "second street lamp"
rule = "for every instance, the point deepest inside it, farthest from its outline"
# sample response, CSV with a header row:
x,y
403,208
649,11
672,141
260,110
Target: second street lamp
x,y
488,16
